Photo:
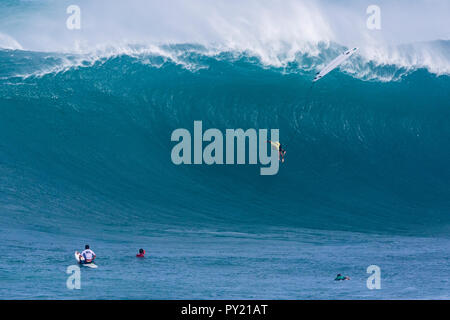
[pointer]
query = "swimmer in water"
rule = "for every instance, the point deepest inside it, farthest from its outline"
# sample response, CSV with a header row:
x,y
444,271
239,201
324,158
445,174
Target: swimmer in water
x,y
141,253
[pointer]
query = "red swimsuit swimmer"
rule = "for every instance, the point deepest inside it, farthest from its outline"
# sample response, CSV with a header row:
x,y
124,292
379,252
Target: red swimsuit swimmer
x,y
141,253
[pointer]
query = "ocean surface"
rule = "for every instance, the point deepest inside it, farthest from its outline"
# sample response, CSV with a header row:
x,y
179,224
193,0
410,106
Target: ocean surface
x,y
85,158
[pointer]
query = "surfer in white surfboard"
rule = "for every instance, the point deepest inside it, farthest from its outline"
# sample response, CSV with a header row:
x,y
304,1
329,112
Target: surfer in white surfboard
x,y
279,148
88,255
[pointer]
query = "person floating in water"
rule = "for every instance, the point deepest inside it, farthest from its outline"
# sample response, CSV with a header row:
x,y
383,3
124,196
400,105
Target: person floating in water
x,y
141,253
279,148
341,277
88,255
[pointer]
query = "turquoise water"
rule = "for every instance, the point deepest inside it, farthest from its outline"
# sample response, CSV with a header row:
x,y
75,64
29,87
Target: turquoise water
x,y
85,158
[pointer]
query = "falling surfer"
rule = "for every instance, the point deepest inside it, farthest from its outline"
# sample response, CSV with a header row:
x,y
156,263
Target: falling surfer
x,y
277,146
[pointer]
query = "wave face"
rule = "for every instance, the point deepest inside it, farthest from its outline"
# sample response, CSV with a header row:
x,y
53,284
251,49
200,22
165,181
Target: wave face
x,y
89,139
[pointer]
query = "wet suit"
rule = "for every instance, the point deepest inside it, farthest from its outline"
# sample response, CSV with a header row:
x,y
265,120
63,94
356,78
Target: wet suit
x,y
341,277
281,151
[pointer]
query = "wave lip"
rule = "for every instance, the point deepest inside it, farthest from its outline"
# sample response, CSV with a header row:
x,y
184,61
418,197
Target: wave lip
x,y
277,34
373,64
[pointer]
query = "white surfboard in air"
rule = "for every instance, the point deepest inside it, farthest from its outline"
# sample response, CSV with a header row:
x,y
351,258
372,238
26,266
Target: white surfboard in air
x,y
334,64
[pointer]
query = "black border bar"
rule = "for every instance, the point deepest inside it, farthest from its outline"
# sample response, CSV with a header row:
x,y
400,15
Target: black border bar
x,y
224,309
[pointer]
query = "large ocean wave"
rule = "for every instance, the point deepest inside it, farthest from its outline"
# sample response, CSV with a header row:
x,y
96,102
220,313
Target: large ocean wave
x,y
87,136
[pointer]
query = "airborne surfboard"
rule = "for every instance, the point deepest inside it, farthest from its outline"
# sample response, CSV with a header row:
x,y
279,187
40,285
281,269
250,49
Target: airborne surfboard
x,y
334,64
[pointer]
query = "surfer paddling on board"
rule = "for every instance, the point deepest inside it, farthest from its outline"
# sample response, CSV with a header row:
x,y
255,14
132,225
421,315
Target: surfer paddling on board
x,y
340,277
88,255
277,146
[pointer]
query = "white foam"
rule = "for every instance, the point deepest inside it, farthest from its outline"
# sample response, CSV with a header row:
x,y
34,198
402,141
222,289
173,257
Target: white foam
x,y
275,32
9,43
